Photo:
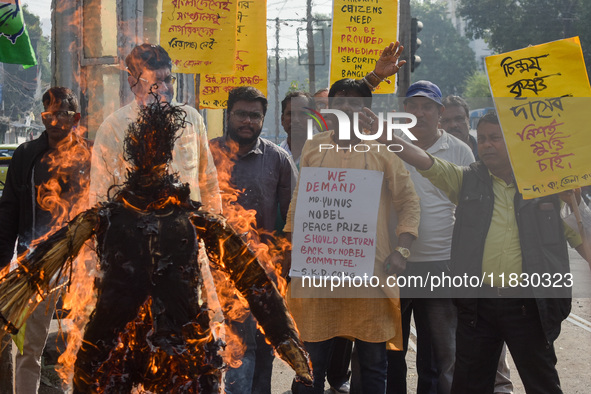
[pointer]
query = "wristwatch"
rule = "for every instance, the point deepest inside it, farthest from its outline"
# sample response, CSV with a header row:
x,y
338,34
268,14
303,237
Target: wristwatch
x,y
403,251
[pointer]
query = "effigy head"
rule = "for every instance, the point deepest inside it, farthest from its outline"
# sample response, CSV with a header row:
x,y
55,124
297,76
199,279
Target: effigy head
x,y
148,148
150,139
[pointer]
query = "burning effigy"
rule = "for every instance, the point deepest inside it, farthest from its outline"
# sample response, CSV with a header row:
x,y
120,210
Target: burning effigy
x,y
151,328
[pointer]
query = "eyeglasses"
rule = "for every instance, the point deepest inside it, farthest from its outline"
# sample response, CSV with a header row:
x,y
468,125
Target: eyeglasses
x,y
61,115
169,80
243,115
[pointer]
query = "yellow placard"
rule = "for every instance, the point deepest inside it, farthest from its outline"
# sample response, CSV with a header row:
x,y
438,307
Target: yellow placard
x,y
251,57
199,35
542,97
361,29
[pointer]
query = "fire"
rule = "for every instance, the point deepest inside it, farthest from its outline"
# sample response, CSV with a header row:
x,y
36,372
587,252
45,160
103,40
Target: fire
x,y
154,322
244,221
81,297
158,204
63,196
269,254
80,300
71,156
166,372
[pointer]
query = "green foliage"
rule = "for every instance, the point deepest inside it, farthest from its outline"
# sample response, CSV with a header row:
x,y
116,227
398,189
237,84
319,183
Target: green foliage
x,y
39,42
477,86
507,25
477,92
446,58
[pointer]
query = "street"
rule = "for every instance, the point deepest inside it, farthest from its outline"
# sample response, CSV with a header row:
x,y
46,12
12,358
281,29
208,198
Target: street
x,y
573,347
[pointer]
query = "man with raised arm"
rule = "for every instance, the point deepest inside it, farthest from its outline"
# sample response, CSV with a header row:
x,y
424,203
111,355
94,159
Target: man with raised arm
x,y
370,321
499,235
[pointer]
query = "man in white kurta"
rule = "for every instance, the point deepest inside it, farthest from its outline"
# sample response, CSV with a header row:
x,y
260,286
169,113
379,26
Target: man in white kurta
x,y
149,67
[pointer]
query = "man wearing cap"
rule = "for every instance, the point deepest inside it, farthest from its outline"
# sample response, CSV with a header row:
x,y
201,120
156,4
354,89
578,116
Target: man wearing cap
x,y
435,315
149,68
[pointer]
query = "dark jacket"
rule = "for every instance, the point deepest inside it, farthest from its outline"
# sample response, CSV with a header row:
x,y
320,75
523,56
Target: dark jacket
x,y
17,205
542,240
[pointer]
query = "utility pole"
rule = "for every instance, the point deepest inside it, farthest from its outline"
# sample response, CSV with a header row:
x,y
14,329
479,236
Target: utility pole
x,y
311,60
404,36
276,79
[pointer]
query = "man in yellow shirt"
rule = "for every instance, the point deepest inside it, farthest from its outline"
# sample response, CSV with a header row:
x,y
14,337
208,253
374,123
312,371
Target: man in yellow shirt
x,y
505,242
370,316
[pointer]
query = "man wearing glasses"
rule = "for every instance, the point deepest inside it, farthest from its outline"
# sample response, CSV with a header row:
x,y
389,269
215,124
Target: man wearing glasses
x,y
263,174
45,187
149,67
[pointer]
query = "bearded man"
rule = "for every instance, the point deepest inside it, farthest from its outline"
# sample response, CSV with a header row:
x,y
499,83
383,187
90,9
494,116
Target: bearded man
x,y
263,176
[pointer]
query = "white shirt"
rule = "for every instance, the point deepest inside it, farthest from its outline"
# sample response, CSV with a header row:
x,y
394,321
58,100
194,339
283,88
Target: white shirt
x,y
192,159
285,146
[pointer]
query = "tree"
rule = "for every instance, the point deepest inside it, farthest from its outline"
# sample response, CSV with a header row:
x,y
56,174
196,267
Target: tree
x,y
477,85
446,58
507,25
477,92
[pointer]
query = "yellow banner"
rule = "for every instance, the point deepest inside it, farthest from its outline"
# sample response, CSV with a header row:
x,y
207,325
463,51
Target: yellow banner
x,y
542,95
251,57
199,35
361,29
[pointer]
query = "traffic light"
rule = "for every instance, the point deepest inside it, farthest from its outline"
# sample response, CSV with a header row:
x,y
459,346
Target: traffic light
x,y
415,27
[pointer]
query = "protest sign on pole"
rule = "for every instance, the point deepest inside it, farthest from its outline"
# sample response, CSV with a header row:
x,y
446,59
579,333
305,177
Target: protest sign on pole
x,y
335,222
199,35
541,94
361,29
250,61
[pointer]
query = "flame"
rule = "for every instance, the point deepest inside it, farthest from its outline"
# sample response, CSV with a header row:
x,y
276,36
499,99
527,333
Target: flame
x,y
270,254
200,357
80,298
71,157
64,196
158,204
80,301
244,220
165,372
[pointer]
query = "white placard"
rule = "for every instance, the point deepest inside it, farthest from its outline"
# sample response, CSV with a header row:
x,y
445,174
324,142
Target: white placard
x,y
335,222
